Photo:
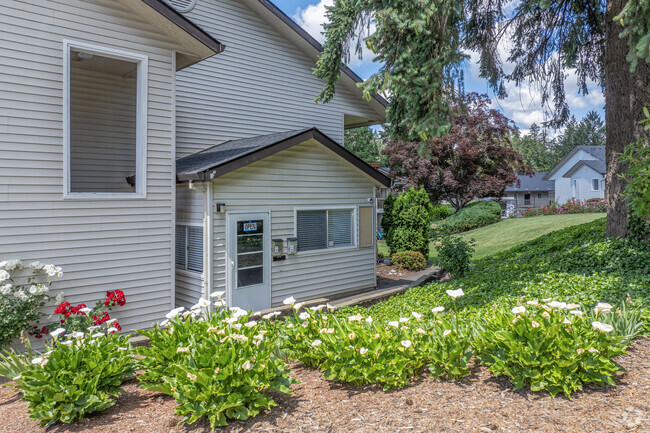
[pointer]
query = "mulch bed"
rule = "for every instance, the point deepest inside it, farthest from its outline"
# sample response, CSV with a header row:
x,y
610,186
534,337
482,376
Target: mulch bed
x,y
387,275
479,403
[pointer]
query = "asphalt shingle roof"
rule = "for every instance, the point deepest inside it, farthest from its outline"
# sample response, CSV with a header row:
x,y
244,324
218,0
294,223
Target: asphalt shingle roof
x,y
229,151
596,164
598,152
534,183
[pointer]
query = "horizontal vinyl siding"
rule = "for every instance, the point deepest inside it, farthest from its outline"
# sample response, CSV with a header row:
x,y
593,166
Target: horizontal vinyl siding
x,y
564,186
101,244
306,175
262,83
189,210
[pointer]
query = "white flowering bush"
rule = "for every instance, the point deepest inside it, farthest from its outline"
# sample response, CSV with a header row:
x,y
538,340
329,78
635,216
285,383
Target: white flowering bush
x,y
554,346
361,350
23,289
217,366
75,376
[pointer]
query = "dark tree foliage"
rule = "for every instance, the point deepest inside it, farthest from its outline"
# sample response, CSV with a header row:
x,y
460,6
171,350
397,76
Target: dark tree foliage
x,y
475,159
419,44
534,148
590,131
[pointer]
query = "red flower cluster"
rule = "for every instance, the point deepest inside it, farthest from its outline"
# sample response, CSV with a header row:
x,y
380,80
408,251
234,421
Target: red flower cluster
x,y
115,297
66,309
98,320
38,333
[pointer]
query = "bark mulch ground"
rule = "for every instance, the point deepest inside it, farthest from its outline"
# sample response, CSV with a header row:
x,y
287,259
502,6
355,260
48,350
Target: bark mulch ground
x,y
480,403
388,275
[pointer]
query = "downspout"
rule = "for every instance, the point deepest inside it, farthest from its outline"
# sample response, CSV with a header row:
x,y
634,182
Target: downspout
x,y
374,231
209,244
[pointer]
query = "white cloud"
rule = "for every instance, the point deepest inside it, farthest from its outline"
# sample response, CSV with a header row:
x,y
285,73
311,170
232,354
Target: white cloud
x,y
312,18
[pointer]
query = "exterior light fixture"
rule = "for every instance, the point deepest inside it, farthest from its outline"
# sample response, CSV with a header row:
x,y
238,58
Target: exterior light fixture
x,y
220,207
292,245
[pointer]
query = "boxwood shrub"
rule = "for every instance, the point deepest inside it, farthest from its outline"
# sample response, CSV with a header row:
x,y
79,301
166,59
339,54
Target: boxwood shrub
x,y
472,216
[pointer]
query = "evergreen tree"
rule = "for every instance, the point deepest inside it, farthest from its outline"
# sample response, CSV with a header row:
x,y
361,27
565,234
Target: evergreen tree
x,y
366,144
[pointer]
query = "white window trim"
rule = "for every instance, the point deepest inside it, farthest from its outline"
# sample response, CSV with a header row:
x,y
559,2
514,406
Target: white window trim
x,y
141,121
592,184
183,271
329,250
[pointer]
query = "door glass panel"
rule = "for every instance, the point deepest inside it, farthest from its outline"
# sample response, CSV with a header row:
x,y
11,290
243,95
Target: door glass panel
x,y
250,252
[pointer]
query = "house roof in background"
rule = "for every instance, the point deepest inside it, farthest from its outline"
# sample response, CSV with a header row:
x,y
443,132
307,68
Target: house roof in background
x,y
595,164
233,154
598,152
534,183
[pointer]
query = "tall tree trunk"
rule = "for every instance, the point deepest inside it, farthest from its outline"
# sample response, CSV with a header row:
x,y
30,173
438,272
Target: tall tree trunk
x,y
625,96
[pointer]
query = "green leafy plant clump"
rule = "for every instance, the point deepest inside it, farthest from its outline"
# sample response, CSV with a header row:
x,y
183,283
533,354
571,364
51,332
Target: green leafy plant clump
x,y
360,350
406,221
76,377
410,260
454,254
216,365
554,346
472,216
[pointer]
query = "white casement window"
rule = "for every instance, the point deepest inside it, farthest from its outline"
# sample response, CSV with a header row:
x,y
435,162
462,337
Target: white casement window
x,y
595,184
319,229
105,122
189,248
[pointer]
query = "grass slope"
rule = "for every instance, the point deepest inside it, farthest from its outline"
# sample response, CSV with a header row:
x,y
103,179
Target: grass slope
x,y
512,232
576,264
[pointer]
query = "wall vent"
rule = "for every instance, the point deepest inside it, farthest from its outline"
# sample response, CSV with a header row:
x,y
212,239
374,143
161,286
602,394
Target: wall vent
x,y
182,5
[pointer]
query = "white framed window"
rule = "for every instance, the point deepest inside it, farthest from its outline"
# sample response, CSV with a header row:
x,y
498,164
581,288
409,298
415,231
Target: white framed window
x,y
595,184
189,247
104,122
321,229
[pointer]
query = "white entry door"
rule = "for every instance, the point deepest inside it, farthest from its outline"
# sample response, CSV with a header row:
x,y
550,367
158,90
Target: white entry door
x,y
249,256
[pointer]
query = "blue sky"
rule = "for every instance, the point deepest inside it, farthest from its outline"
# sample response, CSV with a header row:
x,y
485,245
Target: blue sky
x,y
523,104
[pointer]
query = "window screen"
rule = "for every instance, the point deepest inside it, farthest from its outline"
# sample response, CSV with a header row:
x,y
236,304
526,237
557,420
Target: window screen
x,y
595,184
320,229
189,248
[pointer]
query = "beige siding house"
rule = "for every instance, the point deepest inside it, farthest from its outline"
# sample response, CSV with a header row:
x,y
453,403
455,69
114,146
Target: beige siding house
x,y
87,101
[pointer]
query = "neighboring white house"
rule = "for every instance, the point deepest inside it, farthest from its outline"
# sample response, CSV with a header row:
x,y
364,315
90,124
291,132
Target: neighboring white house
x,y
580,174
532,192
256,151
98,98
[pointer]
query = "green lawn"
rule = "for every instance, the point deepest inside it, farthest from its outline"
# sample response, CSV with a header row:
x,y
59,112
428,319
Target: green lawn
x,y
514,231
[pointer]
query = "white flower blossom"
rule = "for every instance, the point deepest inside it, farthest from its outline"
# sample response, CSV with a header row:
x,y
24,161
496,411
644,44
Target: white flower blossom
x,y
331,307
318,307
533,302
67,343
37,266
304,315
356,318
250,324
455,293
272,314
446,332
438,310
238,312
175,312
298,305
566,321
316,343
246,365
86,310
603,308
77,334
519,310
98,335
37,361
417,316
602,327
406,343
111,330
57,332
403,319
218,294
289,301
203,303
59,298
13,264
4,276
369,319
363,351
6,289
21,295
576,313
394,324
237,326
558,305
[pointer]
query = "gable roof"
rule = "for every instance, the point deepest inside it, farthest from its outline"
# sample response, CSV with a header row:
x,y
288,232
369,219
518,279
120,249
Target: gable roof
x,y
595,164
598,152
535,182
233,154
199,44
349,78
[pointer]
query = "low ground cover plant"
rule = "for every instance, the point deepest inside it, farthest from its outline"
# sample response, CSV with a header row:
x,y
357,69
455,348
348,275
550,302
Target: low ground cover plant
x,y
23,290
75,376
410,260
578,264
361,350
472,216
216,365
551,346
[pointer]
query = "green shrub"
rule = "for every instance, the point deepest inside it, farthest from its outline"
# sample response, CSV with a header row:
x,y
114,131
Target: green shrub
x,y
472,216
442,211
550,347
454,254
410,260
408,222
360,350
216,365
76,377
